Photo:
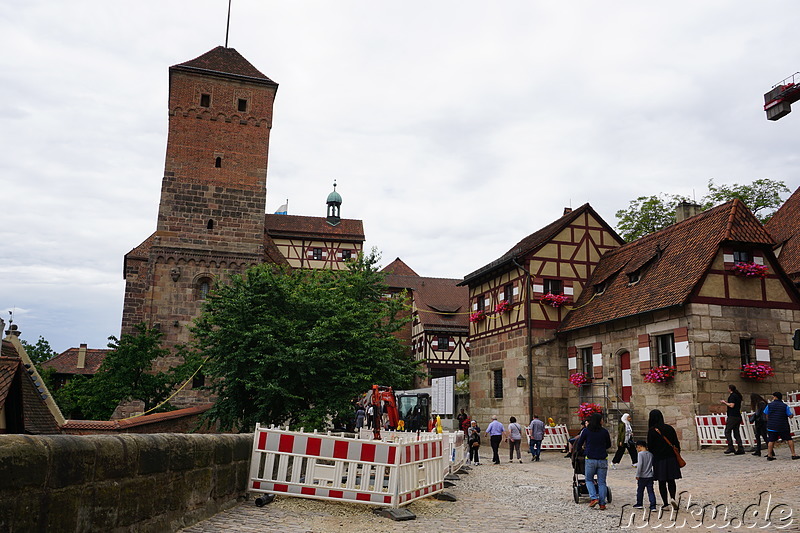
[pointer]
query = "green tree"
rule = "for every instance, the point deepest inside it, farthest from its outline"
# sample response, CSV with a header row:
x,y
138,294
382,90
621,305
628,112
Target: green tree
x,y
297,346
39,352
648,214
763,196
127,375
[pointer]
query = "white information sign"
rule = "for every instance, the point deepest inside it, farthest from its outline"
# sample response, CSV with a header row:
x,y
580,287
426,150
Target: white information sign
x,y
443,395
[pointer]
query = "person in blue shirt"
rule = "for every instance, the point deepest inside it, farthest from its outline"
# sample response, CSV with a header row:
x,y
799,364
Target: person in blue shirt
x,y
495,432
778,414
596,442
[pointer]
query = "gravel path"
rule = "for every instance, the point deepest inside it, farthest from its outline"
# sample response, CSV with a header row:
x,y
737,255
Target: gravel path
x,y
538,497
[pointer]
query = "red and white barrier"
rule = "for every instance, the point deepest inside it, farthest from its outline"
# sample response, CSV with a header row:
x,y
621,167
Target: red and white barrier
x,y
711,428
455,444
792,397
328,467
555,437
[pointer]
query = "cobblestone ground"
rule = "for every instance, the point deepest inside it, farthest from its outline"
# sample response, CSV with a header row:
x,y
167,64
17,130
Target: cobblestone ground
x,y
538,497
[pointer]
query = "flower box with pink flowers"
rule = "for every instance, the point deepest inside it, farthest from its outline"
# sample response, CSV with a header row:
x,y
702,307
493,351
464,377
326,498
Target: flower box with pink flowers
x,y
660,374
757,371
477,316
554,300
502,307
750,270
579,378
588,409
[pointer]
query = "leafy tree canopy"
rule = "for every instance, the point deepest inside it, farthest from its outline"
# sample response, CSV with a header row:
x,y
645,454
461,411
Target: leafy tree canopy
x,y
297,346
39,352
126,375
648,214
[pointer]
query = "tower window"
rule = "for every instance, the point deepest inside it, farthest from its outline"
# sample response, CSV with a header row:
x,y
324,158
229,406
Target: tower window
x,y
218,162
205,100
210,224
203,288
241,105
497,384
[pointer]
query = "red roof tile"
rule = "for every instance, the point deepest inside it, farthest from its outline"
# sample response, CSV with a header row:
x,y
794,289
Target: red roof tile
x,y
441,302
67,362
673,261
784,226
118,425
226,61
399,267
313,227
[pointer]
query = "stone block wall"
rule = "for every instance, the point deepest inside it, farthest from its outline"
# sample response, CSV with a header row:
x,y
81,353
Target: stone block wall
x,y
148,483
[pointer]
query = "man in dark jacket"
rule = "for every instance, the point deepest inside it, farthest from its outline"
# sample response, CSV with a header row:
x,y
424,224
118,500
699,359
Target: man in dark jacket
x,y
778,415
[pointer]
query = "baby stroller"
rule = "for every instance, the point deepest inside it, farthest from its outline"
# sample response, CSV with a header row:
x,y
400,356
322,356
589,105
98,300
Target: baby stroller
x,y
579,489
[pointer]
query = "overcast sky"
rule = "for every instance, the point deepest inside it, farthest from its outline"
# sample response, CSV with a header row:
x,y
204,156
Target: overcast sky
x,y
453,128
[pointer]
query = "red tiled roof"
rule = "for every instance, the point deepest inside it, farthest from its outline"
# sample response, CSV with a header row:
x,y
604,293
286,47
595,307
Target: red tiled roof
x,y
143,250
67,362
8,369
113,425
313,228
271,252
36,415
224,61
784,226
398,267
674,260
441,302
537,239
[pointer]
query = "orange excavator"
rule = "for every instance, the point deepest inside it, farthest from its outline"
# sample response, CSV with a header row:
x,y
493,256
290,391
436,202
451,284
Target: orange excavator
x,y
407,411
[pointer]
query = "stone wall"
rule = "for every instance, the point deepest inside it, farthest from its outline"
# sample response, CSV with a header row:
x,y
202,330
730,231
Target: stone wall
x,y
158,483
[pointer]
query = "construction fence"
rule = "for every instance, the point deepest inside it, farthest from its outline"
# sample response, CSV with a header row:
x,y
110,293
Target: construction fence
x,y
711,428
341,468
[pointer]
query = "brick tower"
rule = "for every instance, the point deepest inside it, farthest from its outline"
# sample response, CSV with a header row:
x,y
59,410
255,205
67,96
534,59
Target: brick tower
x,y
213,194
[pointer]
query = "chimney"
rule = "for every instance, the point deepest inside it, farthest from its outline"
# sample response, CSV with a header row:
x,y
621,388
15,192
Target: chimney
x,y
82,356
13,331
686,210
567,210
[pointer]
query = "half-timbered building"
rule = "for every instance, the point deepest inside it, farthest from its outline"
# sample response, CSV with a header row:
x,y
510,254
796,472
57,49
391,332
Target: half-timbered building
x,y
437,335
518,302
705,296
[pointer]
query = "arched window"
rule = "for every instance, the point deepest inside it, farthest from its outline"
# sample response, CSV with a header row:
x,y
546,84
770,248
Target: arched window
x,y
218,162
203,288
210,224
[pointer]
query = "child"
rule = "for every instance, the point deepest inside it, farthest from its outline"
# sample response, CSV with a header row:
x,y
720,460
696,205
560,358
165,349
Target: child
x,y
474,443
644,476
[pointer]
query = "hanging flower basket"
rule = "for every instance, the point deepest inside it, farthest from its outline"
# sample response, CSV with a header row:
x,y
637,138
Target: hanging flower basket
x,y
757,371
660,374
579,378
750,270
477,316
588,409
554,300
502,307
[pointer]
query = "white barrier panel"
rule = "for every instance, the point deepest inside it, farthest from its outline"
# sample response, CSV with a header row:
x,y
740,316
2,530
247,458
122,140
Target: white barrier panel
x,y
455,454
555,438
328,467
711,428
792,397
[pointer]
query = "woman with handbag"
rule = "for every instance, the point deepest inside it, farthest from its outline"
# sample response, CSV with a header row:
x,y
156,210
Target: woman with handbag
x,y
662,442
625,441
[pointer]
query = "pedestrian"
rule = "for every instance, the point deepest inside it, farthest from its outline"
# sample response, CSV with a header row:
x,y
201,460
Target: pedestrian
x,y
644,476
778,415
474,443
536,437
495,432
360,416
596,441
624,441
571,441
370,416
734,420
514,439
757,404
461,417
665,464
465,425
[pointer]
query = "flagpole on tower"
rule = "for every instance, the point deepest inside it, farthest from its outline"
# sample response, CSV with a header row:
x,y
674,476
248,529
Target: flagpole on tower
x,y
228,25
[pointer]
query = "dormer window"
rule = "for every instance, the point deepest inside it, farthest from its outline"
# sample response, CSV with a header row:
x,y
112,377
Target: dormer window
x,y
241,105
553,286
600,288
634,277
742,256
205,100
